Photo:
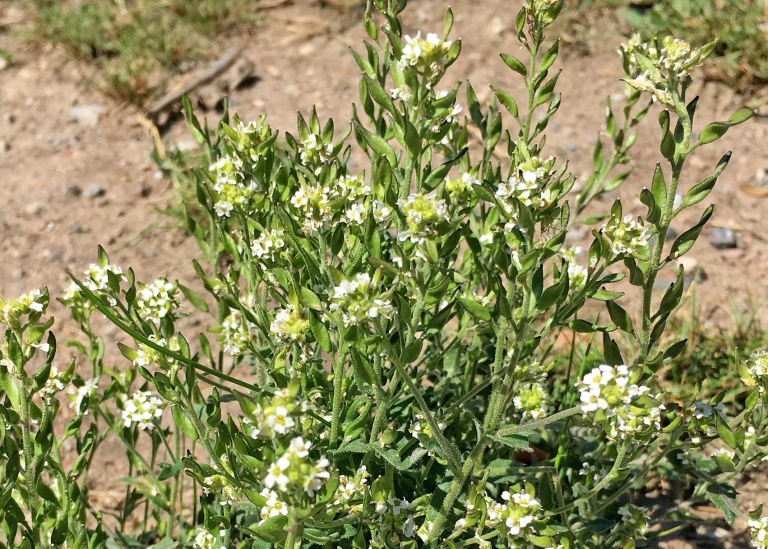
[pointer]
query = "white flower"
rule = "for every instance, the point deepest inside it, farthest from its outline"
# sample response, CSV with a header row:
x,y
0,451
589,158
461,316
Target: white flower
x,y
223,208
273,506
276,475
280,421
86,390
143,409
300,447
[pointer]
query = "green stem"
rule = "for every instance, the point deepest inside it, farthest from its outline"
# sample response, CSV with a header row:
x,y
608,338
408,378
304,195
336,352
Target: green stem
x,y
454,461
456,487
543,422
29,448
598,487
667,213
294,531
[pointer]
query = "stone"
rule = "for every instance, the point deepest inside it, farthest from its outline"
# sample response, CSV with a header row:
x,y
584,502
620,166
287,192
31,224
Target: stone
x,y
722,238
33,208
94,191
87,115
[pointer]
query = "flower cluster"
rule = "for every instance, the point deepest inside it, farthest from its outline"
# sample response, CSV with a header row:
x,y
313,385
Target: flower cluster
x,y
701,418
84,391
628,236
293,469
236,333
527,186
234,183
273,507
143,409
319,205
532,400
609,392
759,532
146,355
635,520
206,540
55,383
461,190
425,55
513,519
230,185
352,489
97,280
289,326
755,371
268,246
314,152
420,428
395,514
423,212
219,484
283,415
157,300
29,303
577,274
656,68
359,300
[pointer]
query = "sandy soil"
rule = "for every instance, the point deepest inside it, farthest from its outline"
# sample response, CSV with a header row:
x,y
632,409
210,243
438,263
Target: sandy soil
x,y
48,162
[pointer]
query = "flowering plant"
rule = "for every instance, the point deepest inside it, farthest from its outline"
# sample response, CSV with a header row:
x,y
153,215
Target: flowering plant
x,y
384,370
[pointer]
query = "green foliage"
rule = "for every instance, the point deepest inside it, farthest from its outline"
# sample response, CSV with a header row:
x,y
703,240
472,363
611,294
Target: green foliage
x,y
741,55
386,361
139,45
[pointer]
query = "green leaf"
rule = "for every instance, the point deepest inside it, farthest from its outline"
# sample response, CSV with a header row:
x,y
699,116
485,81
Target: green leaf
x,y
127,352
309,299
194,298
549,56
675,349
515,64
672,296
654,212
659,187
716,130
700,190
518,441
412,352
377,143
271,530
620,316
724,432
183,422
506,100
685,241
476,309
320,332
364,372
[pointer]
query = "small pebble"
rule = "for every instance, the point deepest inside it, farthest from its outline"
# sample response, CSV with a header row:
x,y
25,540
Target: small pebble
x,y
76,229
34,208
74,190
94,191
87,115
734,253
722,238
